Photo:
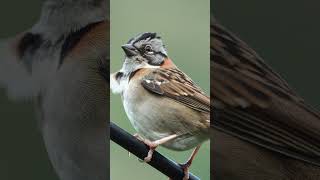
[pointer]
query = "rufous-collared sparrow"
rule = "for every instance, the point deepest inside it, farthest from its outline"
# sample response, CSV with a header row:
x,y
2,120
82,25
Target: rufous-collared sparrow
x,y
162,103
61,63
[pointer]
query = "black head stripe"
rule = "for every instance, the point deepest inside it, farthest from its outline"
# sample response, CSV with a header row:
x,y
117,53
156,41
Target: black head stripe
x,y
144,36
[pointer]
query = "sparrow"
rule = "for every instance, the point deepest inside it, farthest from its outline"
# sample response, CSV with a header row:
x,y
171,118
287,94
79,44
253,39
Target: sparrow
x,y
162,103
60,64
261,128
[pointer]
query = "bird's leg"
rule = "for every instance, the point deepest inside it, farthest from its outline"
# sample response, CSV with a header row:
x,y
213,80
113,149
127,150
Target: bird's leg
x,y
137,136
154,144
186,165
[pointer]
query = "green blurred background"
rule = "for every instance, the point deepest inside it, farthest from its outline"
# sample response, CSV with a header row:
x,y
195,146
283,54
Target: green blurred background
x,y
184,28
285,33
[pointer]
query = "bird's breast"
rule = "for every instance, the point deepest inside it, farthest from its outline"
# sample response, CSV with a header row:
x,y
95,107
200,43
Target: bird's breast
x,y
155,117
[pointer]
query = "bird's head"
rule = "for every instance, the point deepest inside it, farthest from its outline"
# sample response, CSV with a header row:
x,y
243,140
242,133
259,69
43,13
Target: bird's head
x,y
143,51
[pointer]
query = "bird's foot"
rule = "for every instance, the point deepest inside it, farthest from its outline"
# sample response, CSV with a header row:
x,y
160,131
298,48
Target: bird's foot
x,y
185,168
152,146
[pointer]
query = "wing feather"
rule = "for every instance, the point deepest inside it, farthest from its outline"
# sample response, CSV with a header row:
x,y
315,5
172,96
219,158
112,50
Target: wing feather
x,y
176,85
252,102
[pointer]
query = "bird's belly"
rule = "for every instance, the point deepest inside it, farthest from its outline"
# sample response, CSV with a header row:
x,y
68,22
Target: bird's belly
x,y
185,142
154,123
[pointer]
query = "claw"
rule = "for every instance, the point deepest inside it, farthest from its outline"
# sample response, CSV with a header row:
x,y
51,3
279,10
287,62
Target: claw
x,y
150,153
153,144
185,168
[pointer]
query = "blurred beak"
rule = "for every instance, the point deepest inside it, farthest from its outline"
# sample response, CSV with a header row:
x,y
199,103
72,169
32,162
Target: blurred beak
x,y
129,50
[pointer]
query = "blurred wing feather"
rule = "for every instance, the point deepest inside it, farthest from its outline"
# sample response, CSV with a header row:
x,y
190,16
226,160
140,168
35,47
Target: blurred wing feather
x,y
254,103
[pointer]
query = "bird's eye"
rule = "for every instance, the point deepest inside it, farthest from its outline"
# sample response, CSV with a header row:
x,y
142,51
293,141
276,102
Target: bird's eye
x,y
148,49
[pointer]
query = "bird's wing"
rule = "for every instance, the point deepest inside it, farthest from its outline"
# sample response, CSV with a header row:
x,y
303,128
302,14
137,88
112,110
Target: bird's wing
x,y
176,85
254,103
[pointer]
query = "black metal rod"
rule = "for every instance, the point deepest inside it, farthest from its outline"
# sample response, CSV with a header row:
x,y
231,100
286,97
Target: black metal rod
x,y
138,148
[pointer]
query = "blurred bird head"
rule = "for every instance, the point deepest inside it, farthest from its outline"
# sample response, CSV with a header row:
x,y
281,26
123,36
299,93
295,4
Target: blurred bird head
x,y
60,17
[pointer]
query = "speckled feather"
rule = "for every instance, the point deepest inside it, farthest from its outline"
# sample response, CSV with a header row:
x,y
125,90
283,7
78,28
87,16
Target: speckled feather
x,y
176,85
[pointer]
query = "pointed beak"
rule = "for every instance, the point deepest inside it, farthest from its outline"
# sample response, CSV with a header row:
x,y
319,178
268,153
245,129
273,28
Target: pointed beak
x,y
129,50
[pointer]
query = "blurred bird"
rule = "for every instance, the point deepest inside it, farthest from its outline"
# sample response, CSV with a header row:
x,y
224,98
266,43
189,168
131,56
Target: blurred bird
x,y
61,63
261,128
162,103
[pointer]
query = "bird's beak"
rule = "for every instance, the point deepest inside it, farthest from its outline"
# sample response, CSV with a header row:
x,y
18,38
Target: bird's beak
x,y
129,50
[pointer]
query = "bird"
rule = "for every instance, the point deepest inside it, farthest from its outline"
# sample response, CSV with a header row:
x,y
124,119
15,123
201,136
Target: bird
x,y
61,65
261,128
162,103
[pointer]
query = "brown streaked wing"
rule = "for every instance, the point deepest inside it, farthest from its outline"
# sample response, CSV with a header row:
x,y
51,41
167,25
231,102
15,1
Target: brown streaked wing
x,y
254,103
178,86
